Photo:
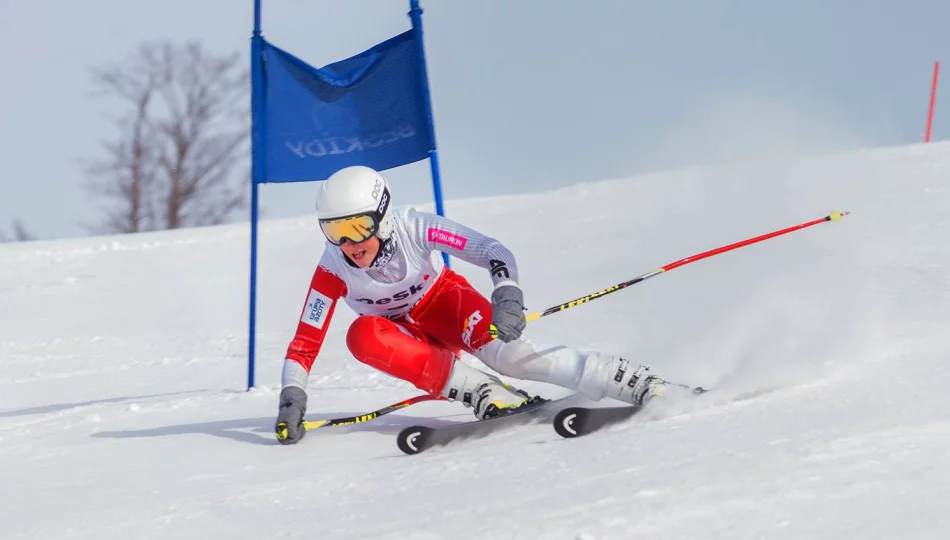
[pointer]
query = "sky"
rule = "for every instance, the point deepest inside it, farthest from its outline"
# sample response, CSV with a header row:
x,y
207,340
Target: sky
x,y
528,95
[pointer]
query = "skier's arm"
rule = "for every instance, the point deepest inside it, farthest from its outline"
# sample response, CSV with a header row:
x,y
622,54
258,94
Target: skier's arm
x,y
326,288
437,233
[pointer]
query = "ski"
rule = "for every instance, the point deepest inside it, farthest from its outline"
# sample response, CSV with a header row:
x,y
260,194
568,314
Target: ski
x,y
574,422
579,421
417,439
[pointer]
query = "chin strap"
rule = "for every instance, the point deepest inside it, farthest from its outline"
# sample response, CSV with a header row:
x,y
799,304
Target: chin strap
x,y
387,248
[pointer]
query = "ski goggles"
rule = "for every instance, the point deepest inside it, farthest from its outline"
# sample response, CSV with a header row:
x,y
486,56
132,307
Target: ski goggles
x,y
356,229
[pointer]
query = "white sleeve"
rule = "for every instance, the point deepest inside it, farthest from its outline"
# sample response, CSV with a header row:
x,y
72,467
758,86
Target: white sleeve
x,y
436,233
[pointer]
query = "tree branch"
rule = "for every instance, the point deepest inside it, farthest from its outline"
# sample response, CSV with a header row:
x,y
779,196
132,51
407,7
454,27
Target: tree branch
x,y
186,128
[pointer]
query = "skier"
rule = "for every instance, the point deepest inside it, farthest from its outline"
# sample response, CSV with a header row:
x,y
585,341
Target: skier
x,y
416,315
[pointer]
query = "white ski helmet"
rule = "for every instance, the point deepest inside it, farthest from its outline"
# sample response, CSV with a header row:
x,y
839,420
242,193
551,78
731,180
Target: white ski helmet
x,y
354,203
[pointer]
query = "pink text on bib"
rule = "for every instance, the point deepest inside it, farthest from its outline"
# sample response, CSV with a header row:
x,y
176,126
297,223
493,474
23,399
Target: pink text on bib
x,y
444,237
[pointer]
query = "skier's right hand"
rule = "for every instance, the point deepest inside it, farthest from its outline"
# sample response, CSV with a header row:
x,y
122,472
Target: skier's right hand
x,y
508,312
289,426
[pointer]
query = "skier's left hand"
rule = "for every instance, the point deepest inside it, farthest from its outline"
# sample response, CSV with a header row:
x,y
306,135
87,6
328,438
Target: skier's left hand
x,y
508,312
293,405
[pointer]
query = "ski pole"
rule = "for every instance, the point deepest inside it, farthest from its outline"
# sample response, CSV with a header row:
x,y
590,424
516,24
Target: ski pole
x,y
834,216
360,418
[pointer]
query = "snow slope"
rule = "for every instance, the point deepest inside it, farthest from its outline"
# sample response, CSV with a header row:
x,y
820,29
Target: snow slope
x,y
122,368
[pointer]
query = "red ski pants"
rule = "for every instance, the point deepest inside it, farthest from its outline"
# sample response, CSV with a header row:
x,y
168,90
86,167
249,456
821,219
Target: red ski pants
x,y
420,348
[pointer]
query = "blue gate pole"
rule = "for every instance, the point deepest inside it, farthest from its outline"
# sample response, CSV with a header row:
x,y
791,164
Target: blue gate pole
x,y
257,173
415,14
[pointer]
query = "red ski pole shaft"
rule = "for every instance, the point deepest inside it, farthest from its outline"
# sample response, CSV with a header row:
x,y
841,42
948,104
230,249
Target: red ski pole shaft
x,y
835,216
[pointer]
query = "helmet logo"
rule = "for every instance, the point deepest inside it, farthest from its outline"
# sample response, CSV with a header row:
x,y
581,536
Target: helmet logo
x,y
383,203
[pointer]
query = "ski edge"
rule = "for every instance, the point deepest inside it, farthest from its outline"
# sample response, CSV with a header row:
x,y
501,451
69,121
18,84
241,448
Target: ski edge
x,y
578,421
416,439
574,422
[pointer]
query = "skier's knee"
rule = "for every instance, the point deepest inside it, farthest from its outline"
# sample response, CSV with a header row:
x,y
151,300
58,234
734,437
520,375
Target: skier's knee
x,y
513,371
360,338
514,359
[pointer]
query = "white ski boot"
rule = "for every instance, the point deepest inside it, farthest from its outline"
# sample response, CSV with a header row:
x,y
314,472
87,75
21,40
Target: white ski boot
x,y
615,377
488,395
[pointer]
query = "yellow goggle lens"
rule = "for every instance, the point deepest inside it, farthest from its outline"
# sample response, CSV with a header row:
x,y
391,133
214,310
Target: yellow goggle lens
x,y
356,229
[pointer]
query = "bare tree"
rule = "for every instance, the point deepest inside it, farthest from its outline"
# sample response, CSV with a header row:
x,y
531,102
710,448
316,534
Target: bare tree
x,y
180,157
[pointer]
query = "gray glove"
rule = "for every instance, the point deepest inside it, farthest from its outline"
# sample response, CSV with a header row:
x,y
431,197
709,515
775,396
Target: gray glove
x,y
293,405
508,312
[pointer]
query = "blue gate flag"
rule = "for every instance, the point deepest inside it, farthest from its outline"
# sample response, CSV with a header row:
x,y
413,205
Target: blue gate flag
x,y
368,109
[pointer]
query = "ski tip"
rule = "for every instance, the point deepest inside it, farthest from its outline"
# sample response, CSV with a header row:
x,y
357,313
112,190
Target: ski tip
x,y
567,423
413,440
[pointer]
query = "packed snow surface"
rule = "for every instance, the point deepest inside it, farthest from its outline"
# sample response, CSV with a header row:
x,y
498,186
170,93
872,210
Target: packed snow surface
x,y
124,412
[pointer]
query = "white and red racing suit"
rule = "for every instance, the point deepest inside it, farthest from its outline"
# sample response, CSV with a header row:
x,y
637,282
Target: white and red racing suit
x,y
417,315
